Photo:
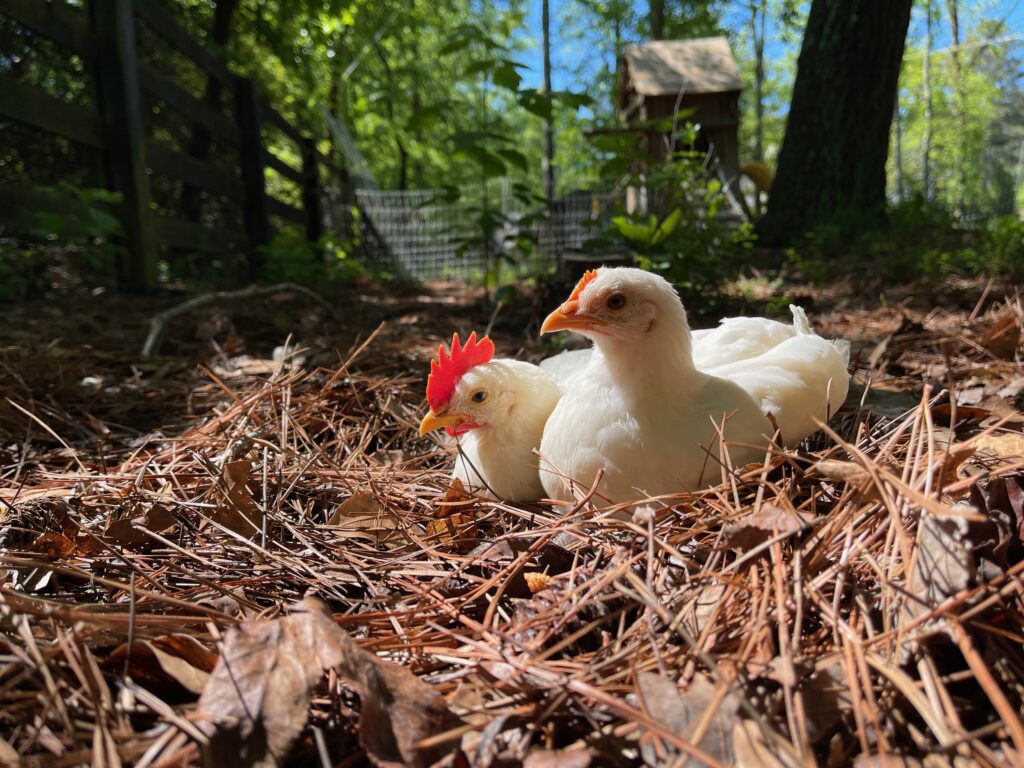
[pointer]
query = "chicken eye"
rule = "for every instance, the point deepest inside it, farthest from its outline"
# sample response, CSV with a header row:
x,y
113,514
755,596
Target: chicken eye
x,y
616,301
479,396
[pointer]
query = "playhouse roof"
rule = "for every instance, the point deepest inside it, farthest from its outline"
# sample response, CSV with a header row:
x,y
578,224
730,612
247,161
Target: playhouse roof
x,y
666,67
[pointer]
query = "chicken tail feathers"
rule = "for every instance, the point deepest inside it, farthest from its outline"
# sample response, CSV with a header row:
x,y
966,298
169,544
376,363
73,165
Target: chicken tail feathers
x,y
800,321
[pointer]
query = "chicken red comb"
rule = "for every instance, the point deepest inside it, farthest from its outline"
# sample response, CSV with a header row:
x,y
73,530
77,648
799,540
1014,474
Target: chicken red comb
x,y
446,371
588,277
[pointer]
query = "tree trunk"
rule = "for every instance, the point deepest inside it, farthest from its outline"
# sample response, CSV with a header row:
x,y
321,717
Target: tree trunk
x,y
201,140
657,16
548,163
831,169
958,101
926,76
758,11
897,147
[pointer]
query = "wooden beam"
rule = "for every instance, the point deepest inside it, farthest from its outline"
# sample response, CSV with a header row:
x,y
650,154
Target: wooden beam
x,y
311,198
59,22
278,165
276,119
168,91
252,162
165,25
34,107
121,107
288,212
177,165
184,235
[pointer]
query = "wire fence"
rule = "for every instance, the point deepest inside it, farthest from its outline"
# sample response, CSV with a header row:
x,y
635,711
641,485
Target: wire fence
x,y
427,236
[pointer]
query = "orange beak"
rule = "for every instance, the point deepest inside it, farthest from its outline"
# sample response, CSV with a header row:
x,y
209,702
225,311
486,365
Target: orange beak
x,y
434,421
568,318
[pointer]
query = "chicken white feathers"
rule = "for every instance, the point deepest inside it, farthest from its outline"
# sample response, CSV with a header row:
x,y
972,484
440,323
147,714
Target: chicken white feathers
x,y
639,409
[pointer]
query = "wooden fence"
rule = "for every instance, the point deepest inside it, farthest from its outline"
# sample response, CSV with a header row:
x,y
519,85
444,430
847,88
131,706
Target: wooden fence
x,y
105,38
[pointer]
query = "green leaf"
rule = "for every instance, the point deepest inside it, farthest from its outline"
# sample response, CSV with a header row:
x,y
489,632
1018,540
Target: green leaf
x,y
666,227
506,74
514,157
535,102
427,117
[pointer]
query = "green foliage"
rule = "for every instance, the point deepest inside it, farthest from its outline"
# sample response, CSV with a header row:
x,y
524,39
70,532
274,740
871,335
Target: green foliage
x,y
923,245
290,258
682,235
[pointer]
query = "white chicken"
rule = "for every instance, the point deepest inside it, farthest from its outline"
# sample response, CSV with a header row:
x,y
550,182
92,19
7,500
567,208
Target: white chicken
x,y
734,340
640,410
498,408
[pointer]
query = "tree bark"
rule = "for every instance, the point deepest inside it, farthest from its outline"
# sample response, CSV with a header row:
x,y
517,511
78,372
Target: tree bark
x,y
926,76
548,163
831,169
758,11
201,140
657,16
959,100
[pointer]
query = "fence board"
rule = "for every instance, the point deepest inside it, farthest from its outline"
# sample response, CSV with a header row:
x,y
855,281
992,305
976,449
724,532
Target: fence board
x,y
184,102
285,211
186,235
59,22
177,165
165,25
283,168
31,106
276,119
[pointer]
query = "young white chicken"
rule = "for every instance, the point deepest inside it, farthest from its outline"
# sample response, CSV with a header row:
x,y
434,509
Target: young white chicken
x,y
640,409
498,408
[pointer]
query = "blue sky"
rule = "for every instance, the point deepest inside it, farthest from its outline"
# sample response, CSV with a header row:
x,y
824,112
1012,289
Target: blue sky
x,y
574,54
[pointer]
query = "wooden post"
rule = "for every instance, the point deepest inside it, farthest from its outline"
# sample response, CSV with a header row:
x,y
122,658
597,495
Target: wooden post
x,y
252,162
120,106
311,200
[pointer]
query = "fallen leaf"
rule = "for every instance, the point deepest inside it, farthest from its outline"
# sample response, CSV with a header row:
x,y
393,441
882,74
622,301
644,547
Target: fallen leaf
x,y
1014,388
943,414
557,758
944,564
970,396
699,609
1005,445
681,713
239,512
1003,336
361,516
157,663
53,545
759,525
459,529
751,749
256,701
842,471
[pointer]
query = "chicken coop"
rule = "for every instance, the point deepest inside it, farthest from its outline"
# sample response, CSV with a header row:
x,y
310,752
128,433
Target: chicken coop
x,y
663,77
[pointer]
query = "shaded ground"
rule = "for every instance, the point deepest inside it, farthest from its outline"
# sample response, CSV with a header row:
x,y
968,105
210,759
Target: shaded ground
x,y
856,599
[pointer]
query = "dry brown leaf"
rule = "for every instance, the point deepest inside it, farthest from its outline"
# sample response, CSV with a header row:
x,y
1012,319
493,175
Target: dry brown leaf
x,y
361,516
699,608
759,525
680,713
1005,445
1003,337
459,529
751,749
944,562
53,545
257,699
170,659
558,758
239,512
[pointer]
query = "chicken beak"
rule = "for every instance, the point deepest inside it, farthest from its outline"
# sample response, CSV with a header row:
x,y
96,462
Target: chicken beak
x,y
434,421
568,318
